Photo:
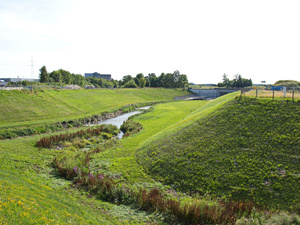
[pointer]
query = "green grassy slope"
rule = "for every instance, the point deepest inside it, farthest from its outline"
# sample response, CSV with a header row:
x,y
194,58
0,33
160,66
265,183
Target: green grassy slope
x,y
24,107
26,175
247,148
163,120
121,160
30,192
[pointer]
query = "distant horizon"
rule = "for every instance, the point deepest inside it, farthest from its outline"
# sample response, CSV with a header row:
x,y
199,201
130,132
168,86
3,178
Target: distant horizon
x,y
254,84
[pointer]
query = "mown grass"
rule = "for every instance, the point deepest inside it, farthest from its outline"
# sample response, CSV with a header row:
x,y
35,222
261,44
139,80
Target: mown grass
x,y
247,149
45,106
121,159
26,162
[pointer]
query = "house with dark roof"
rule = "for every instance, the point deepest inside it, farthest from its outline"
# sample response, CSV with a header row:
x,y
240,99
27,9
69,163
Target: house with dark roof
x,y
98,75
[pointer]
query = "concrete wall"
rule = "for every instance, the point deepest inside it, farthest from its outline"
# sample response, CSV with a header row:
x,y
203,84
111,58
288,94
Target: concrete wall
x,y
212,93
208,93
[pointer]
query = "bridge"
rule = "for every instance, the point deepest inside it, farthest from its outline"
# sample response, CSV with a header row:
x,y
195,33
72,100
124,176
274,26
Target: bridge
x,y
213,93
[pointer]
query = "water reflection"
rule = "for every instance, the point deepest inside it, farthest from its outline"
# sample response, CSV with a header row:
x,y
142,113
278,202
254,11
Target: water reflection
x,y
118,121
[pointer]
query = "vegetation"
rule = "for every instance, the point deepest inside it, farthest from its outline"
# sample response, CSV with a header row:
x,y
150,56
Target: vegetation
x,y
247,149
289,96
29,112
169,80
130,127
106,182
288,83
76,166
238,81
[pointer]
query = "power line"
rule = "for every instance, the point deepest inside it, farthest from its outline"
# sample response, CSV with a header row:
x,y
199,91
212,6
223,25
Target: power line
x,y
32,67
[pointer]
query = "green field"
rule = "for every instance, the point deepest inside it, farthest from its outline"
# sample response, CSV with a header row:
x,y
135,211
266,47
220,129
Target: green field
x,y
248,148
24,107
221,148
24,113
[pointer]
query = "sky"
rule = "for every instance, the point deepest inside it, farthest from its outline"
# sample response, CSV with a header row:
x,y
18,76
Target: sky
x,y
259,39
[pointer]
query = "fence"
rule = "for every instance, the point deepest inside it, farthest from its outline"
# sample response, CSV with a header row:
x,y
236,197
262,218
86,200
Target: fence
x,y
259,93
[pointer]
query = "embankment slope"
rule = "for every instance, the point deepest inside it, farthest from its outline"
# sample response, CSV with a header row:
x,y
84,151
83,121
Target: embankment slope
x,y
245,149
27,107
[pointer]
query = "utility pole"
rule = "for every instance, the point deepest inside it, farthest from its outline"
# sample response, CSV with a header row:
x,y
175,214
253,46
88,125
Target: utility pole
x,y
32,71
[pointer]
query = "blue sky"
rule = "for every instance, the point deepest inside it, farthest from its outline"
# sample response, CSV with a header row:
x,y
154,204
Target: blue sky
x,y
202,39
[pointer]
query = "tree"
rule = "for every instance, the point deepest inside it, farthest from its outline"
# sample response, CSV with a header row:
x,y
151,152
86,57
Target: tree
x,y
44,76
238,81
56,76
126,79
161,80
66,76
182,81
226,81
152,79
140,80
130,84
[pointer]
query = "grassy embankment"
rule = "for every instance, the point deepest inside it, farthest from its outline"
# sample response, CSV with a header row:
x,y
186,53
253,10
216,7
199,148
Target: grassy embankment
x,y
27,112
30,190
248,148
21,158
24,165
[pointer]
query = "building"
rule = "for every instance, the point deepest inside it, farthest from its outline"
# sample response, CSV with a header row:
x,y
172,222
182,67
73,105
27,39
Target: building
x,y
98,75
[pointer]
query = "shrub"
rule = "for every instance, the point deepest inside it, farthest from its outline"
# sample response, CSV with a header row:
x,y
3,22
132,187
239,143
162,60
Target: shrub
x,y
130,127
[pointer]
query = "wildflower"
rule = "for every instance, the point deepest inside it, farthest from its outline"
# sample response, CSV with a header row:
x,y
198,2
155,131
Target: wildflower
x,y
90,176
100,177
75,169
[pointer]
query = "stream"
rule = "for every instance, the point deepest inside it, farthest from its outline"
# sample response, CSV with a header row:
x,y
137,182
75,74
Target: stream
x,y
118,121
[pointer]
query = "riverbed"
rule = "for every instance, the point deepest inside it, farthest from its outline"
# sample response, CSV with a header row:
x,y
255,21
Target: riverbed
x,y
118,121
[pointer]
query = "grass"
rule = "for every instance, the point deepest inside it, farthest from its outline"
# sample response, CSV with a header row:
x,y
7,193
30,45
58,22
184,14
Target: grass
x,y
121,160
27,174
24,201
23,108
269,94
247,148
31,192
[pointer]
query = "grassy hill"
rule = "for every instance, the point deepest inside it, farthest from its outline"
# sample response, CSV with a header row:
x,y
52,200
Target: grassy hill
x,y
24,107
33,192
288,83
27,175
247,148
24,113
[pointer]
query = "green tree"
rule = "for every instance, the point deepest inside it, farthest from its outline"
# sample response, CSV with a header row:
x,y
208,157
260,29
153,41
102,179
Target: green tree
x,y
152,80
56,76
66,76
44,76
126,79
130,84
140,80
182,81
161,80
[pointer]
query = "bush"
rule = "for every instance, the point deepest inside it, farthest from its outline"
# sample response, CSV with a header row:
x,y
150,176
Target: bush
x,y
130,127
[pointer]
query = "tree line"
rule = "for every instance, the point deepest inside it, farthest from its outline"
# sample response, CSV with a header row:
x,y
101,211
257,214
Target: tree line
x,y
166,80
237,81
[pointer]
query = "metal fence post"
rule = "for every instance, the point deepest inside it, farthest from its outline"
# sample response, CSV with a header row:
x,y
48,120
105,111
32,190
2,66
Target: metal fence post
x,y
293,97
